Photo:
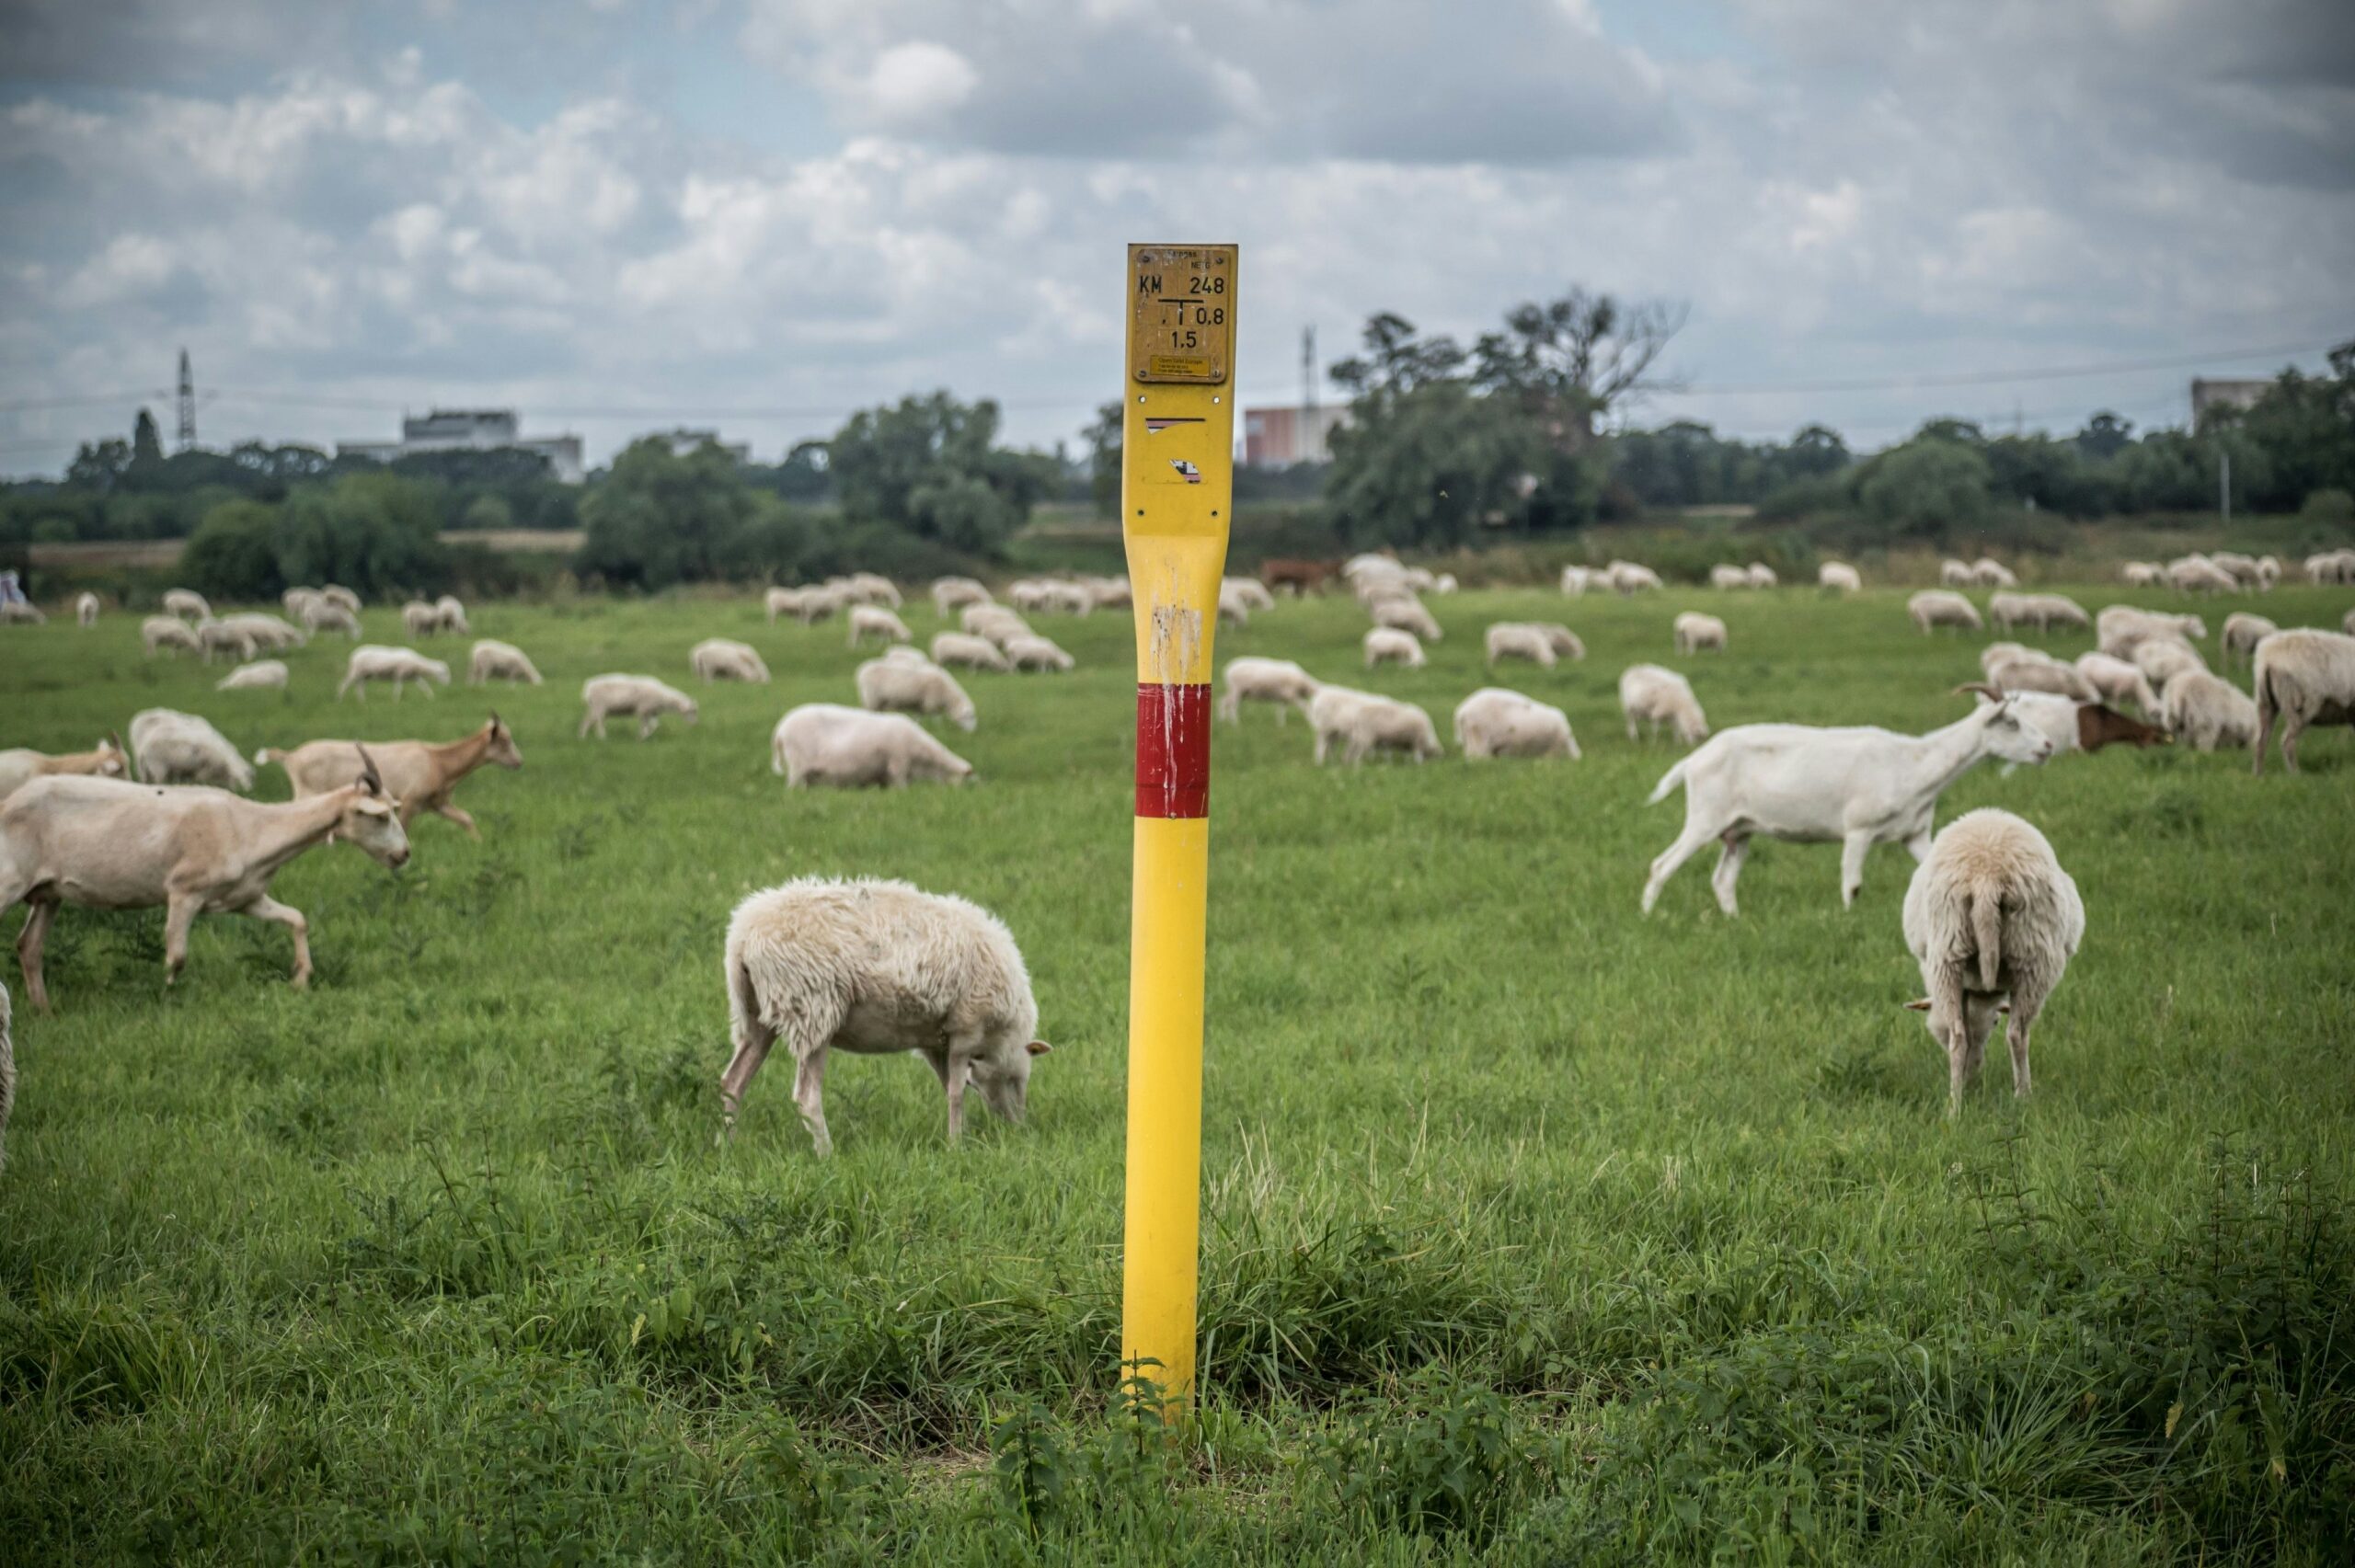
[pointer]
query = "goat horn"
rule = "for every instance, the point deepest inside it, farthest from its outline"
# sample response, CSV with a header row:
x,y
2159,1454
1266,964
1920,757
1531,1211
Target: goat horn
x,y
368,774
1980,688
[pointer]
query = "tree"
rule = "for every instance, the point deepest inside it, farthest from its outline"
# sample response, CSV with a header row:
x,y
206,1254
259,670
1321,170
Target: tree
x,y
2104,435
1104,437
1928,486
146,446
1425,459
376,532
931,465
1568,361
99,466
233,554
658,519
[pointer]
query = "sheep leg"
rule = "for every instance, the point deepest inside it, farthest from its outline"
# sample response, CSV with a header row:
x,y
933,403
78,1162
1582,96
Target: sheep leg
x,y
645,723
1688,844
1320,749
753,1038
425,684
268,909
962,1048
1851,867
809,1097
2026,1005
1730,858
2292,727
180,913
457,815
1631,726
28,944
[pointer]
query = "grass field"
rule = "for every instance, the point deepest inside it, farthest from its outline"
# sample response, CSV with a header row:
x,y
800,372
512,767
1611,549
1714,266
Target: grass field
x,y
1534,1230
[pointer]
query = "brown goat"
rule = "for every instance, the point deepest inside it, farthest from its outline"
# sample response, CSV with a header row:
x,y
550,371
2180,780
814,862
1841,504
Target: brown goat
x,y
1303,577
2099,726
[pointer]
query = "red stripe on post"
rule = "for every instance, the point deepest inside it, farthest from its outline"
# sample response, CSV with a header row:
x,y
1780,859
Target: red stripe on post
x,y
1173,750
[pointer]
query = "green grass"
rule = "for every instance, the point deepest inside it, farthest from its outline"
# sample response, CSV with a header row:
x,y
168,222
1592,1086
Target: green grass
x,y
1533,1230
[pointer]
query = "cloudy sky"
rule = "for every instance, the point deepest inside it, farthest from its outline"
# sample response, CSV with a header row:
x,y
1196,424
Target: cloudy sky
x,y
759,214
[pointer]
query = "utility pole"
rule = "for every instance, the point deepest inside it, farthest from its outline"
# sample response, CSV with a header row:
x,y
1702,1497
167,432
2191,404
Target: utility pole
x,y
2224,484
188,404
1313,449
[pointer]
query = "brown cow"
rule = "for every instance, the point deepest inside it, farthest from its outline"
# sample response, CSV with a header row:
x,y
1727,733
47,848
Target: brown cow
x,y
1300,576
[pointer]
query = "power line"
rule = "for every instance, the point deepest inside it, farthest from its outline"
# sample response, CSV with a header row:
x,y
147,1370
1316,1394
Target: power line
x,y
1993,378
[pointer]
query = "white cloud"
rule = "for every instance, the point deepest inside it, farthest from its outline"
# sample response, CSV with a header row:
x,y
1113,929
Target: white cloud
x,y
917,84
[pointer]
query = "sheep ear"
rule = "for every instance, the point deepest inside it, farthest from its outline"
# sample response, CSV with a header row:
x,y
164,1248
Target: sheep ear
x,y
1038,1048
370,779
1919,1004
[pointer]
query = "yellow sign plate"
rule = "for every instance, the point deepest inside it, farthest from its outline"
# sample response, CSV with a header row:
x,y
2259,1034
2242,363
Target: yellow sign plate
x,y
1181,313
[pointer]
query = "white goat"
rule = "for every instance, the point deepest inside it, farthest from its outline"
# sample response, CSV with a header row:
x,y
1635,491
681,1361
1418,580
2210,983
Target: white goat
x,y
878,968
21,766
720,659
1652,696
371,661
2303,677
1387,645
495,660
176,747
888,686
641,697
1362,723
1990,918
1277,681
1862,787
1494,722
826,743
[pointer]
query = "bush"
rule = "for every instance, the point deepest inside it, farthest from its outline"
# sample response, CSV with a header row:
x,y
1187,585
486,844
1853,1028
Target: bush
x,y
2328,506
234,553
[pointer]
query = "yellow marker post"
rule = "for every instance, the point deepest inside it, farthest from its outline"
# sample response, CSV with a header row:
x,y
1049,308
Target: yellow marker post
x,y
1177,504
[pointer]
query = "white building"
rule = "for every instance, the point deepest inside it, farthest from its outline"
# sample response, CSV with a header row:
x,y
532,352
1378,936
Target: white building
x,y
1277,438
473,430
2233,392
684,442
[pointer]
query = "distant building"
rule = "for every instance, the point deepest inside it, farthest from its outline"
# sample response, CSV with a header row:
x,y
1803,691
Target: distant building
x,y
2236,393
683,442
1277,438
472,429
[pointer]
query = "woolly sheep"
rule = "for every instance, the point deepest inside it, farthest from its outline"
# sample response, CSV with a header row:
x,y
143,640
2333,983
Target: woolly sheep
x,y
2120,628
371,661
2118,682
1724,576
267,631
2162,659
878,968
1035,652
1443,583
158,632
1935,607
1253,593
1839,576
2331,567
21,766
1576,580
178,748
874,619
1277,681
2144,574
419,619
1539,641
1627,577
85,610
826,743
2042,675
1695,631
873,588
1653,696
972,652
1110,593
1494,722
321,614
1763,576
453,613
2241,568
186,603
955,593
1989,916
1362,723
1990,572
2268,572
2194,574
336,593
1232,606
625,696
261,672
1406,615
887,687
994,621
1994,654
2304,678
2208,710
1386,644
1955,574
495,660
718,658
220,637
2242,633
22,612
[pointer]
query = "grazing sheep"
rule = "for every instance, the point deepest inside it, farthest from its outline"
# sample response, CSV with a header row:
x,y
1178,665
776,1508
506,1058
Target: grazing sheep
x,y
176,747
826,743
1036,653
86,611
1994,654
21,613
1494,722
1444,583
2331,567
886,686
1652,696
2241,568
419,619
1989,916
1935,607
813,605
905,653
2268,573
260,673
453,615
627,696
1695,631
2209,711
295,599
495,660
1988,573
1840,577
1110,593
1576,580
1955,574
417,775
1726,578
2304,677
1232,606
2144,574
2115,681
2161,659
718,658
321,614
220,637
2043,675
186,603
2041,611
2196,574
1540,642
158,632
1386,644
994,621
1362,723
372,661
1251,590
1627,577
873,588
1763,576
1277,681
336,593
2243,632
873,619
1405,616
2120,628
878,968
1862,787
954,593
112,844
267,631
971,652
21,766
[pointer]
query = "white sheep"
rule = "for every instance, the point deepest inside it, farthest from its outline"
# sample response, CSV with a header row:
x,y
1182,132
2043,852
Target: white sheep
x,y
2208,710
336,593
1935,607
1839,576
2268,573
85,610
873,588
2144,574
1444,583
2120,628
886,686
1362,723
1110,593
21,613
1695,631
1725,577
1277,681
1387,645
453,613
971,652
1994,654
1628,577
220,637
160,631
877,969
2242,633
1990,918
322,614
20,767
1576,580
873,619
1251,590
1034,652
420,619
186,603
954,593
1405,616
261,673
371,661
1232,606
826,743
2162,659
2115,681
177,748
267,631
994,621
1987,572
1652,696
2303,677
719,659
1955,574
495,660
627,696
1541,643
2241,568
2331,567
2042,675
1494,722
1763,576
2042,611
2196,574
1861,786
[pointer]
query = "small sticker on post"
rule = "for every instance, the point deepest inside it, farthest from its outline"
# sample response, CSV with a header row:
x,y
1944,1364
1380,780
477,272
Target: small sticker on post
x,y
1193,475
